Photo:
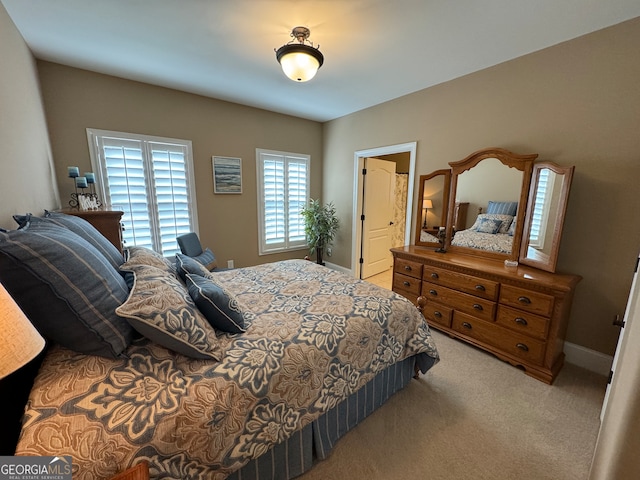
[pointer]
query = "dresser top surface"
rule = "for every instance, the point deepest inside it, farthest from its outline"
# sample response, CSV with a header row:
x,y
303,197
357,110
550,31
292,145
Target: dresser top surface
x,y
488,266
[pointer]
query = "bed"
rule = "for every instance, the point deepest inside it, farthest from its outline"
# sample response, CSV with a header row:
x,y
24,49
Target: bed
x,y
492,231
244,373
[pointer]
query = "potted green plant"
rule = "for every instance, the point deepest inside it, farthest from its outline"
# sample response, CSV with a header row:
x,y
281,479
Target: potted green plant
x,y
320,226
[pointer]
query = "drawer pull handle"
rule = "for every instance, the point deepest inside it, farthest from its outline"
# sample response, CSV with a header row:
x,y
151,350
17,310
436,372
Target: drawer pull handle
x,y
435,275
433,292
437,314
477,306
521,321
406,284
407,268
480,288
522,347
524,300
467,325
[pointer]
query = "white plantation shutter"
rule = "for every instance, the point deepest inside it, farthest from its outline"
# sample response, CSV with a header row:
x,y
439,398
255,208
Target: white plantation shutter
x,y
149,179
540,208
283,189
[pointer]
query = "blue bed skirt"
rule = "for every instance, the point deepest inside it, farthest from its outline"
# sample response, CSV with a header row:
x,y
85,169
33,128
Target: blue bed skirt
x,y
314,442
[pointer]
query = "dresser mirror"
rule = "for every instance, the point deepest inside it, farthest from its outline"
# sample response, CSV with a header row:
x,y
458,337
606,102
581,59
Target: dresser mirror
x,y
494,183
548,198
433,201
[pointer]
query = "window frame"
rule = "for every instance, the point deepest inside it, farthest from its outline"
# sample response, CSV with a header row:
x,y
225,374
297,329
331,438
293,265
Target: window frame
x,y
99,168
265,248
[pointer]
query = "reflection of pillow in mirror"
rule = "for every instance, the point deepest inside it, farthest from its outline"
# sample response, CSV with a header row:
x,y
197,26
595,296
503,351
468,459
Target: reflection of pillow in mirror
x,y
505,219
488,225
503,208
512,228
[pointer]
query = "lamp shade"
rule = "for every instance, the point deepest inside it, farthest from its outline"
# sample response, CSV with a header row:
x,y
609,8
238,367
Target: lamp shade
x,y
427,203
20,342
299,62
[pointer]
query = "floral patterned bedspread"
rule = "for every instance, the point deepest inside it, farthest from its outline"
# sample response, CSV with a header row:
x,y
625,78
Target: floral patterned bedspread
x,y
314,337
493,242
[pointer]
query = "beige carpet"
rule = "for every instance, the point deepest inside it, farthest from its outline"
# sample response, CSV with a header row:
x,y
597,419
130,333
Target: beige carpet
x,y
475,417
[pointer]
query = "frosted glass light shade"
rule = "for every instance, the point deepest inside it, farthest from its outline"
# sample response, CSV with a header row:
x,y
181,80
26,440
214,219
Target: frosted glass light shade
x,y
300,61
299,66
427,204
20,342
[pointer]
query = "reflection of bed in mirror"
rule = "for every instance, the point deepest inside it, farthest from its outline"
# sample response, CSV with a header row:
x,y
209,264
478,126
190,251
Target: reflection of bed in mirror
x,y
491,231
429,236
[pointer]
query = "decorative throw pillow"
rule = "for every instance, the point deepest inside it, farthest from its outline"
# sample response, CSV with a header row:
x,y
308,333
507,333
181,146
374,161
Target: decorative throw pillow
x,y
217,305
512,228
505,219
66,287
146,256
503,208
186,265
488,225
160,308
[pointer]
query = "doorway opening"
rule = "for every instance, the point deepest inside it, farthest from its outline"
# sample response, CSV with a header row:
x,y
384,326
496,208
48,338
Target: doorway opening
x,y
391,153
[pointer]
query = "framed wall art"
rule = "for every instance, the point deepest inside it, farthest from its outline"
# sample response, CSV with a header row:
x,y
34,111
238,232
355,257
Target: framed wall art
x,y
227,175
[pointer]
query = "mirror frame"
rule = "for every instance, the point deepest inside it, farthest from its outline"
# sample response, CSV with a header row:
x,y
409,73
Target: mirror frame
x,y
524,163
445,204
547,262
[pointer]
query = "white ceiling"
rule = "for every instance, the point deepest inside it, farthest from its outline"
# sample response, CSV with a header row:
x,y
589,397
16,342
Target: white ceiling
x,y
375,50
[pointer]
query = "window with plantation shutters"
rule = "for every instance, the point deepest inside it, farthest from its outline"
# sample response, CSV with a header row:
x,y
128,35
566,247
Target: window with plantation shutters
x,y
541,208
150,179
283,189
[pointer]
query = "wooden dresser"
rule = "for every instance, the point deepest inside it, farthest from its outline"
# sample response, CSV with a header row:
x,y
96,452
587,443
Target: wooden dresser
x,y
107,222
519,314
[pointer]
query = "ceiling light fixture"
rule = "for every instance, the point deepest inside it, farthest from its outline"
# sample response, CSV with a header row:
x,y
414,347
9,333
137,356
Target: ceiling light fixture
x,y
299,59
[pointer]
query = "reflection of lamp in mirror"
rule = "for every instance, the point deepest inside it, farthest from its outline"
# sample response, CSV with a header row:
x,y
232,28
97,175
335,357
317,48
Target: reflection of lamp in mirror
x,y
20,342
426,205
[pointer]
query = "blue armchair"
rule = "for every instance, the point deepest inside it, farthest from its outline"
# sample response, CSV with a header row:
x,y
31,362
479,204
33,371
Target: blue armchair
x,y
189,244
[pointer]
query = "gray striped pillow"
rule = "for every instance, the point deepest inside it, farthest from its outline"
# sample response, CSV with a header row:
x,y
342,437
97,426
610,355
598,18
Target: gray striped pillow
x,y
66,287
503,208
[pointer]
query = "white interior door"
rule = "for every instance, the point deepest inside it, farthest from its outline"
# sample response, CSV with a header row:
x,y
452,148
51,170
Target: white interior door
x,y
633,307
377,208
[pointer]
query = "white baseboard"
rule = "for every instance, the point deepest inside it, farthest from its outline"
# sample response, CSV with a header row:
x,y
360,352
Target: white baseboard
x,y
586,358
339,268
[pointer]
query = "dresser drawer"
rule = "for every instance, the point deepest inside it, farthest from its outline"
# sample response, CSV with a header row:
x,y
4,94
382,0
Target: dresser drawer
x,y
523,322
465,283
438,313
407,267
527,300
520,346
478,307
406,283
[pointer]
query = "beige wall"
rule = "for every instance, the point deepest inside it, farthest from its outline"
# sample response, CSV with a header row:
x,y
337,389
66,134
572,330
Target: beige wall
x,y
77,99
26,183
577,103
